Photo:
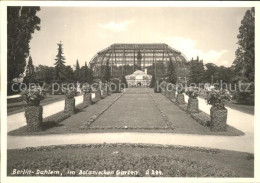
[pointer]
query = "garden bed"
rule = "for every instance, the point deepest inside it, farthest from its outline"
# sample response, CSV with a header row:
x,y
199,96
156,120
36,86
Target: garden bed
x,y
136,160
164,118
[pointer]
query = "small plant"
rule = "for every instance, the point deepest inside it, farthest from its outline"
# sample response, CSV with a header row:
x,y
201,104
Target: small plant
x,y
33,95
193,92
218,98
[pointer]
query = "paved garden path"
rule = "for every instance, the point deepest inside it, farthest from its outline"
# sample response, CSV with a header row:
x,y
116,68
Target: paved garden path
x,y
237,119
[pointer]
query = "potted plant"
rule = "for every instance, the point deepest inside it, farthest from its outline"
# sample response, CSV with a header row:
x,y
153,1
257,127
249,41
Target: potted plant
x,y
171,91
96,90
86,89
193,105
218,113
33,110
163,86
103,90
180,97
69,100
109,92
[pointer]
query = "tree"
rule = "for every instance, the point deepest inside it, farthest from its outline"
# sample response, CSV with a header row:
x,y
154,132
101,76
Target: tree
x,y
21,24
196,71
171,74
90,76
84,74
59,65
210,72
244,63
45,73
225,74
30,74
107,75
68,74
77,71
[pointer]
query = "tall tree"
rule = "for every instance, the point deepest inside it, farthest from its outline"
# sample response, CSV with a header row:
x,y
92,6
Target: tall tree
x,y
21,24
196,71
86,72
90,76
83,74
244,63
77,71
68,74
59,65
210,72
171,73
30,74
107,75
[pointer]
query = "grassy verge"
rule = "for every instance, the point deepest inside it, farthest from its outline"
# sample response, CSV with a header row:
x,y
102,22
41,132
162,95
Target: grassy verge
x,y
129,160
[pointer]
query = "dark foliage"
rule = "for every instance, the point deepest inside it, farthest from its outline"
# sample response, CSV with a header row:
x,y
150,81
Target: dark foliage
x,y
30,74
21,24
59,65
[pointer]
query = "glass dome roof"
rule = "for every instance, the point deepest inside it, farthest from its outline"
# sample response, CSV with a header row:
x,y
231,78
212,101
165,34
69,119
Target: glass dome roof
x,y
124,59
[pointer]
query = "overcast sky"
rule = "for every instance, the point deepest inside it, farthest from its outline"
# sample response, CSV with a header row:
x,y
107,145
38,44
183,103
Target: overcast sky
x,y
210,33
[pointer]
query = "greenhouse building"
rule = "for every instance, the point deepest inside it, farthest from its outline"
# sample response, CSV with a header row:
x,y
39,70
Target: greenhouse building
x,y
152,59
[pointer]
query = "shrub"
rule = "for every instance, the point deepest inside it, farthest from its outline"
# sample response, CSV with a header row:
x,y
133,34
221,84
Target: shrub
x,y
218,98
33,96
86,88
180,90
193,92
70,93
246,97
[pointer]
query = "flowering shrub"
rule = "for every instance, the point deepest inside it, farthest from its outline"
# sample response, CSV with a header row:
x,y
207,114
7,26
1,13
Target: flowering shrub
x,y
70,93
218,98
86,89
180,90
193,92
33,95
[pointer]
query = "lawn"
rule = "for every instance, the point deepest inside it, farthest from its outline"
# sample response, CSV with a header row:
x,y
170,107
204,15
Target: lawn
x,y
136,160
132,110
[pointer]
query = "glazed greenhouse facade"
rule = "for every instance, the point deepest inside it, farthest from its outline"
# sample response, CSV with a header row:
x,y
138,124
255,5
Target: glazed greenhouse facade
x,y
125,59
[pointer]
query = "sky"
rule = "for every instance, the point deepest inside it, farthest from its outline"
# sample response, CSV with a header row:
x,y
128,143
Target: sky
x,y
210,33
